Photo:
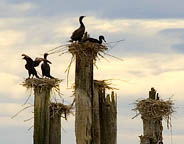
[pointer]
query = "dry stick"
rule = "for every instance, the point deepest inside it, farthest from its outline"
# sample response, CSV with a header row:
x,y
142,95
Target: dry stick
x,y
28,97
114,57
21,111
57,47
28,119
68,68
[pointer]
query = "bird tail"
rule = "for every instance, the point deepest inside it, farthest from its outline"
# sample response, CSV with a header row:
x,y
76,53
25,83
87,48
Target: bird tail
x,y
51,77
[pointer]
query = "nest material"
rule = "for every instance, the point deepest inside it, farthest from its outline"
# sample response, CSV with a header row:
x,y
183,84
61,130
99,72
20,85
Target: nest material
x,y
104,84
155,109
60,110
87,49
41,82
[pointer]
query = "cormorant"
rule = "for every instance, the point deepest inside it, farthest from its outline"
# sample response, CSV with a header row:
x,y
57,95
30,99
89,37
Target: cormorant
x,y
45,67
78,33
30,65
93,40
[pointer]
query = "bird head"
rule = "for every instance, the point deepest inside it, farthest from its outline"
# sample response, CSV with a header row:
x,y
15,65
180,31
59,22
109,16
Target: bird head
x,y
81,17
102,38
24,56
45,55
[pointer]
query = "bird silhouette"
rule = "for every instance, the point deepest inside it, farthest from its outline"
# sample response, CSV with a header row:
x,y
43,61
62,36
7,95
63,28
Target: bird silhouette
x,y
78,33
30,65
45,67
93,40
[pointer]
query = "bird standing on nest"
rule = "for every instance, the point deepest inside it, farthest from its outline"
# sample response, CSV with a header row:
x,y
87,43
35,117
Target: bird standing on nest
x,y
30,65
93,40
45,67
78,33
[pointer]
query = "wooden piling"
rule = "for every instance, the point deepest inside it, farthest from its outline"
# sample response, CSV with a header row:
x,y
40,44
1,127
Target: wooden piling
x,y
83,98
152,127
41,114
104,115
55,129
42,89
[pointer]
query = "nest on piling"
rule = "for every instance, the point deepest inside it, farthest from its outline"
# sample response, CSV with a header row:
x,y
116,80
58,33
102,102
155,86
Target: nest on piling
x,y
41,82
104,84
60,110
155,109
83,49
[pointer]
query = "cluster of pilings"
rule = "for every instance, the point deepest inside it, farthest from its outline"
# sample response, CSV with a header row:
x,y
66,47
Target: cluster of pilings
x,y
47,115
95,111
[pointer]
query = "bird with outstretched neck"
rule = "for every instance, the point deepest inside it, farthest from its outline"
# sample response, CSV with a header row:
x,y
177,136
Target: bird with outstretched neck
x,y
30,65
78,33
45,67
93,40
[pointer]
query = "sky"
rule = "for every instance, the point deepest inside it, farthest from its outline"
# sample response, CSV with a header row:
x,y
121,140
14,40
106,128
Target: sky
x,y
152,50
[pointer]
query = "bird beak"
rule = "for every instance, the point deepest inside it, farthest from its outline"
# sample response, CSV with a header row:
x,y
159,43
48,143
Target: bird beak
x,y
104,40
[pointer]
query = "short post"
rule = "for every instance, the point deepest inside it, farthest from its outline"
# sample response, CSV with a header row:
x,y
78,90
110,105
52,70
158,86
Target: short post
x,y
105,114
55,129
152,111
57,111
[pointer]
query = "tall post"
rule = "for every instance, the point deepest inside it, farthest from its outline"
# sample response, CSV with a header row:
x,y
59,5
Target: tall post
x,y
42,89
83,97
41,114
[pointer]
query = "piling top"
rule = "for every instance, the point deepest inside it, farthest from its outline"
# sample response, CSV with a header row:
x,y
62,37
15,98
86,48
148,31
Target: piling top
x,y
87,49
104,84
60,109
155,109
41,82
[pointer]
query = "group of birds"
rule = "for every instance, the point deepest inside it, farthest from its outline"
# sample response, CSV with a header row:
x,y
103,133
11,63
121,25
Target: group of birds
x,y
77,36
31,64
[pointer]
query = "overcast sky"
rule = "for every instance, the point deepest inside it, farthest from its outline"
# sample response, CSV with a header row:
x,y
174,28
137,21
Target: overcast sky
x,y
152,50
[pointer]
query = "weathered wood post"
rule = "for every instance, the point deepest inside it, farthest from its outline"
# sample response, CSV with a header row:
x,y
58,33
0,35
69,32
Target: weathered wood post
x,y
104,114
83,97
55,128
85,54
42,89
152,111
57,111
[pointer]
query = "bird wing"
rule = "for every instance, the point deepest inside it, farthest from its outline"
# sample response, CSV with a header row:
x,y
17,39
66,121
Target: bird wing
x,y
37,61
78,33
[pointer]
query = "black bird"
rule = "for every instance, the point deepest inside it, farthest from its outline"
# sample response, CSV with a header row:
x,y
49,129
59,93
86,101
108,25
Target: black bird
x,y
93,40
78,33
45,67
30,65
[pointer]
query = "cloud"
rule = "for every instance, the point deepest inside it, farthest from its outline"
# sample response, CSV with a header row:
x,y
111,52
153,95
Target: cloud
x,y
9,9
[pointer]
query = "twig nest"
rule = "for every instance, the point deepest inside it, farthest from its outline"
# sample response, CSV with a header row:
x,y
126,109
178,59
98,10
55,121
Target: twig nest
x,y
41,82
60,110
155,109
87,49
104,84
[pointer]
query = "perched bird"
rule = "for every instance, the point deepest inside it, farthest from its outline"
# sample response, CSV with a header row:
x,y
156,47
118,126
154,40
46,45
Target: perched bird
x,y
78,33
45,67
93,40
30,65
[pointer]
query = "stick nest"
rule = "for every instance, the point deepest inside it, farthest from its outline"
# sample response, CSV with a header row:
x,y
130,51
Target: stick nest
x,y
155,109
93,50
60,110
41,82
104,84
